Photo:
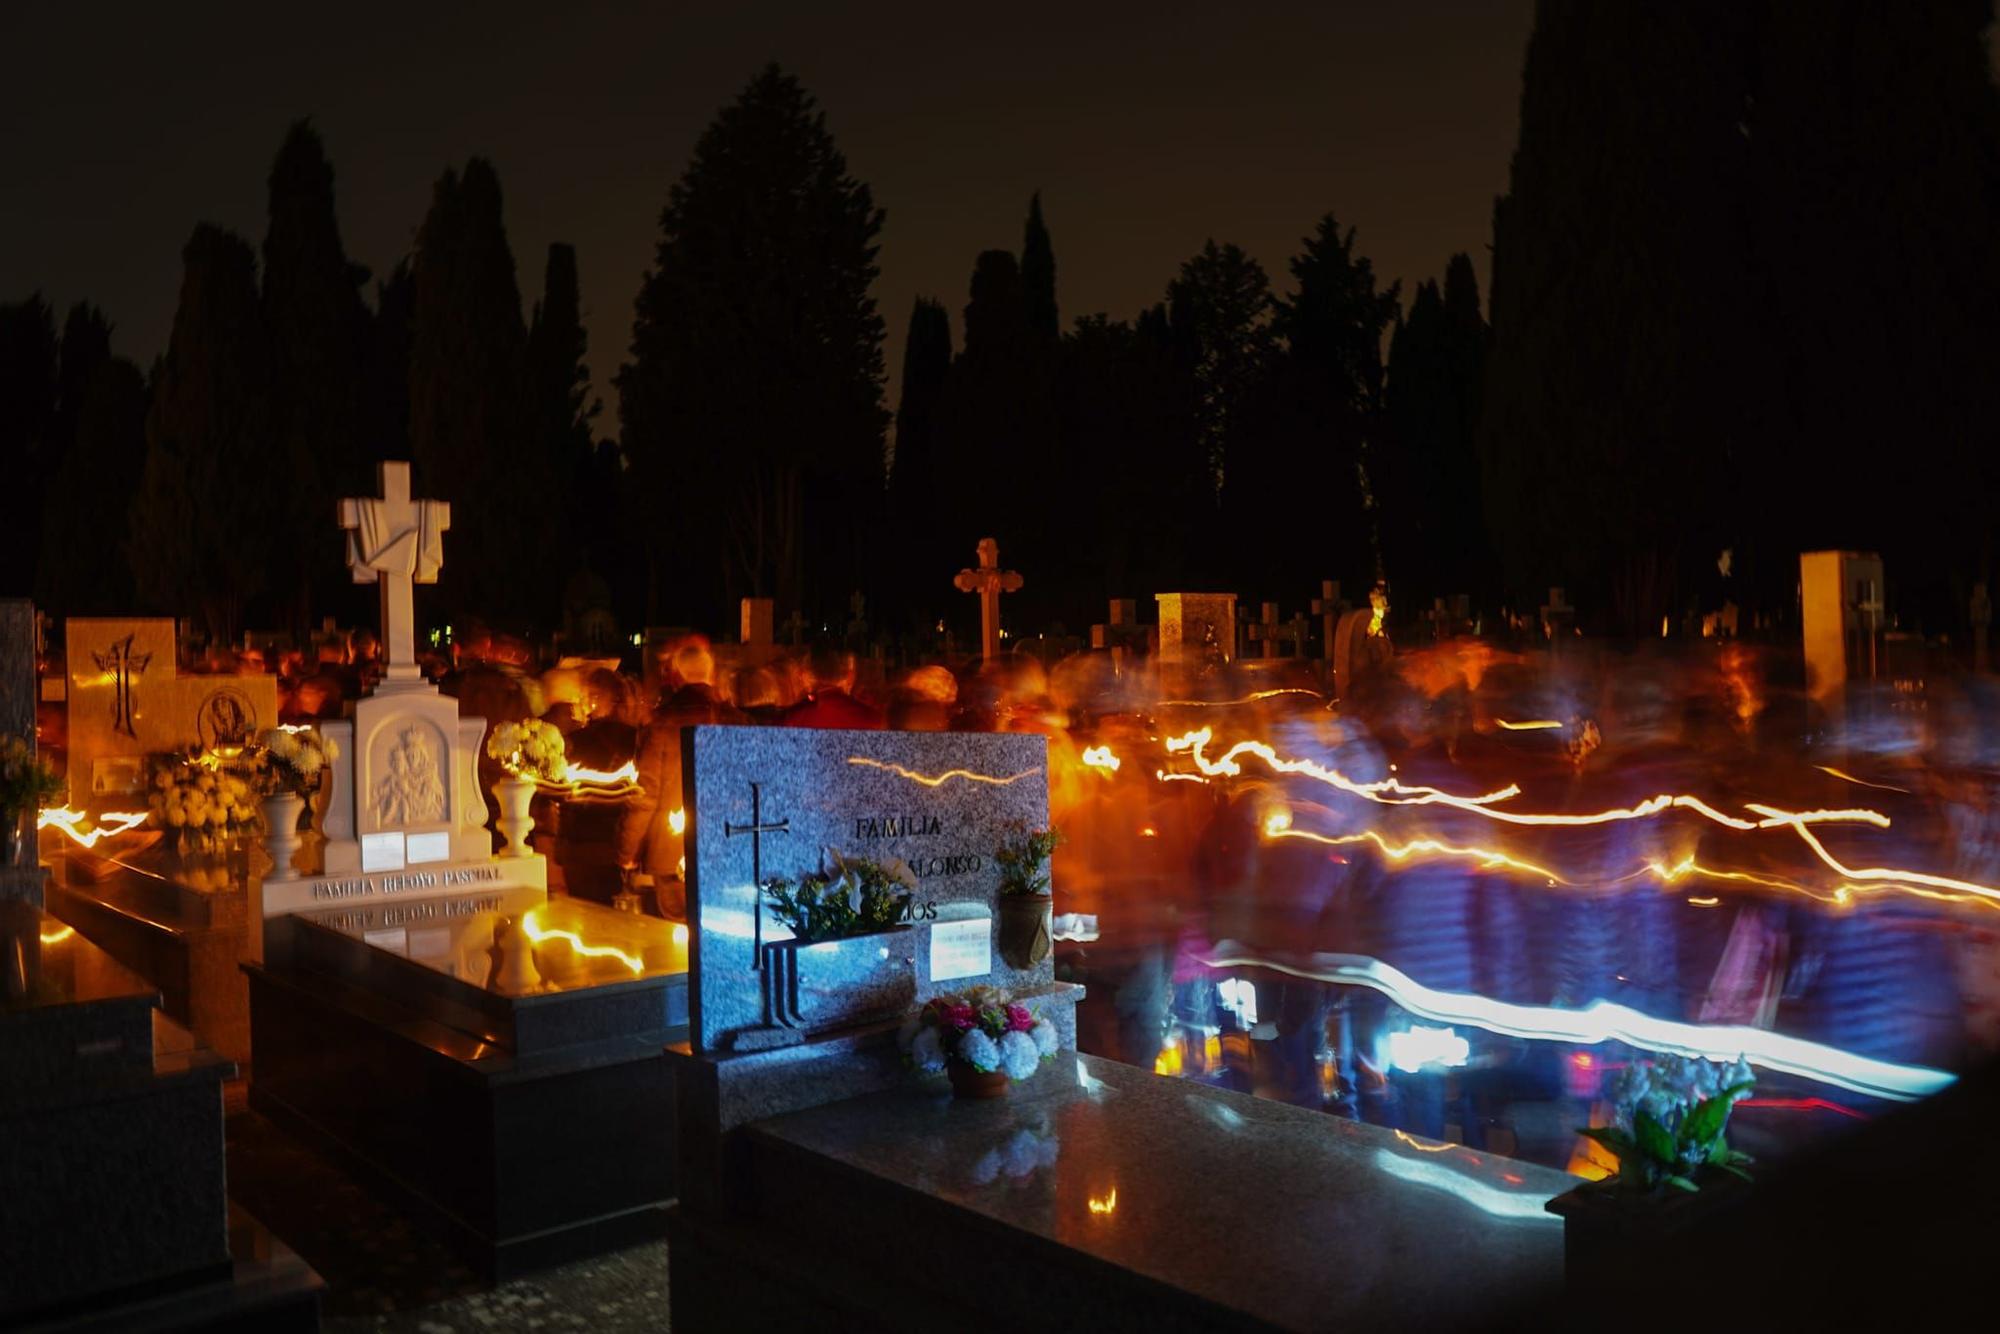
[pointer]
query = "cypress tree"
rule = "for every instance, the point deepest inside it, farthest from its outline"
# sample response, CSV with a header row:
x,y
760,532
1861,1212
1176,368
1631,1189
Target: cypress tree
x,y
918,498
84,571
318,327
1038,274
28,398
207,519
1220,307
468,430
756,374
559,392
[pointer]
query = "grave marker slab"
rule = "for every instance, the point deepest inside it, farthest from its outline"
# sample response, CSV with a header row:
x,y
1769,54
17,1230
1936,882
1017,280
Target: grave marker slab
x,y
768,801
1194,626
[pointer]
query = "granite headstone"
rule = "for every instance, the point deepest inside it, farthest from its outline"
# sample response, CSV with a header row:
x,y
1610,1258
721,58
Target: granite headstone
x,y
765,802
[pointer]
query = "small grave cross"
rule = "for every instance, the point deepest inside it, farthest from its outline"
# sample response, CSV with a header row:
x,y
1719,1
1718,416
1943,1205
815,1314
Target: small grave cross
x,y
757,828
989,581
795,626
1268,629
1327,607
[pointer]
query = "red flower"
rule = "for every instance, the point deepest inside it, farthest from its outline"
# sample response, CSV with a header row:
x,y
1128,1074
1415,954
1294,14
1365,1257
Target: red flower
x,y
1019,1019
960,1017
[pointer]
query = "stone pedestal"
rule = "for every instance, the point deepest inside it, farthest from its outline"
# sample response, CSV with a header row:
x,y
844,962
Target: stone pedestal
x,y
491,1062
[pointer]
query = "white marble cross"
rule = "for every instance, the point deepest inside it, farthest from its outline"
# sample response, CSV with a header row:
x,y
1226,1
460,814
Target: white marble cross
x,y
393,541
989,581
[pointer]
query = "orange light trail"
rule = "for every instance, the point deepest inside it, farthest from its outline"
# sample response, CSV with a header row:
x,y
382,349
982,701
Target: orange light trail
x,y
1953,890
1861,782
109,824
1232,703
539,934
1107,1205
1533,725
1422,1147
939,780
1488,858
581,782
1102,759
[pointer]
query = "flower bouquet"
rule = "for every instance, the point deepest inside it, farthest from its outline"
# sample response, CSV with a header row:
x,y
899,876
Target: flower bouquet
x,y
26,785
981,1038
197,803
293,759
856,898
530,749
849,960
1668,1121
1026,894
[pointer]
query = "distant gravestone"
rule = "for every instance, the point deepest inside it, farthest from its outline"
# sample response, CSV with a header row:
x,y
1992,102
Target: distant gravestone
x,y
1196,626
766,802
128,701
1327,606
1361,643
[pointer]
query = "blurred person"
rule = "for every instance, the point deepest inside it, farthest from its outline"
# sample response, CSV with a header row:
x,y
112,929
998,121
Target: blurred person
x,y
647,842
829,700
759,697
923,699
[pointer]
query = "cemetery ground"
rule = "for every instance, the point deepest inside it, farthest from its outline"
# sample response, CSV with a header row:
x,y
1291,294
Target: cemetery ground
x,y
385,1272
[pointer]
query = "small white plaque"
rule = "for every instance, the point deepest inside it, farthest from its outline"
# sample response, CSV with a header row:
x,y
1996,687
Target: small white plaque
x,y
963,948
382,852
428,848
396,940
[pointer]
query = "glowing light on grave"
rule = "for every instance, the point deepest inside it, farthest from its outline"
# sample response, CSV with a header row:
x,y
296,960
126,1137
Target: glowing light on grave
x,y
578,781
57,936
939,780
1493,1200
1604,1021
1252,698
1412,1049
677,821
70,822
540,935
1171,1060
1101,758
1107,1205
1531,725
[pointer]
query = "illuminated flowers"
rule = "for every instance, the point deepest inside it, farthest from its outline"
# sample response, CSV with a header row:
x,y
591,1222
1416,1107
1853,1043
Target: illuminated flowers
x,y
982,1029
291,759
1669,1118
26,783
191,799
529,749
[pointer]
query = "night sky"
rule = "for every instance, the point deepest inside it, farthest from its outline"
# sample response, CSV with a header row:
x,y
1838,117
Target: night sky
x,y
1146,127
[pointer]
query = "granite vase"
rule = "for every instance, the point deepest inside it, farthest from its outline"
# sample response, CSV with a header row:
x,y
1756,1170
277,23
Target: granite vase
x,y
819,985
1026,936
281,831
517,796
974,1084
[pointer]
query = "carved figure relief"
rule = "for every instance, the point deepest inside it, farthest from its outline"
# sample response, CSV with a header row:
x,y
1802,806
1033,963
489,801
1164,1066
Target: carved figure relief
x,y
412,791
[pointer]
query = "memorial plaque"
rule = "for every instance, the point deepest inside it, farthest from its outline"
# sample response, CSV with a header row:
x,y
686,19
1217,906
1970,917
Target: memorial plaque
x,y
773,801
127,701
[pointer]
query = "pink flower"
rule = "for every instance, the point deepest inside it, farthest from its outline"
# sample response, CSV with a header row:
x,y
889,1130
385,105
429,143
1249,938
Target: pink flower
x,y
960,1017
1019,1020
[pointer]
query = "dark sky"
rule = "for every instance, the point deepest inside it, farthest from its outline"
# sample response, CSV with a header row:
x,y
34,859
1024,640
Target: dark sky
x,y
1146,127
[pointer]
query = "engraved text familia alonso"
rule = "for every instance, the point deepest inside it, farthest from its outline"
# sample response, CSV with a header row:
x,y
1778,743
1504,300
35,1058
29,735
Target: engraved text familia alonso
x,y
870,828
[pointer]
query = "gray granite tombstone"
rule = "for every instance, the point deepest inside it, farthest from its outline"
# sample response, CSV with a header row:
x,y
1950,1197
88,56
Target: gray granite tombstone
x,y
767,802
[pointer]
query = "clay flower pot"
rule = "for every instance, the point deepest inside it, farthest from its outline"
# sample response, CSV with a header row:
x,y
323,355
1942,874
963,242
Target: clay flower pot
x,y
516,796
1025,934
968,1082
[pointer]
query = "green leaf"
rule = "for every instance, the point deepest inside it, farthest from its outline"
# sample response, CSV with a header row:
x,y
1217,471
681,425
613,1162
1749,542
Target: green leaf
x,y
1654,1139
1682,1183
1611,1138
1705,1122
1733,1170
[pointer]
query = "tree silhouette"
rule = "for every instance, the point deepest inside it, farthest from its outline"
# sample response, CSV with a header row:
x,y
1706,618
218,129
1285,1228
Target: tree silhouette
x,y
468,428
1220,308
1038,274
28,399
559,394
206,517
1433,527
918,498
318,327
84,571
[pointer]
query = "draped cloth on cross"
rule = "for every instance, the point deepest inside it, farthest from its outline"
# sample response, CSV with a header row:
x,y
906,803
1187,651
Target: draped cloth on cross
x,y
393,541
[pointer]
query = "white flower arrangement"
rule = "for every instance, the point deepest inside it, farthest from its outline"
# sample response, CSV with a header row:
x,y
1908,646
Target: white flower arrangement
x,y
293,758
190,799
529,749
978,1051
982,1029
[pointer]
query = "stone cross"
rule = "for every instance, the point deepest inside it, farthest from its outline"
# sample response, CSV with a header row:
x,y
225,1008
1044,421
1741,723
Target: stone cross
x,y
1557,616
1327,607
393,541
989,581
1268,629
1298,630
795,627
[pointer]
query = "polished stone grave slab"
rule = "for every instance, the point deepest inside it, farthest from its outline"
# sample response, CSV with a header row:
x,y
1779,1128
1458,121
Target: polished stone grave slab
x,y
1104,1197
492,1062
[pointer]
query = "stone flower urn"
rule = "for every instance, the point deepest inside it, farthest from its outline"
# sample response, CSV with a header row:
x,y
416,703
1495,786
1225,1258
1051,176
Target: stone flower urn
x,y
281,831
517,795
1026,936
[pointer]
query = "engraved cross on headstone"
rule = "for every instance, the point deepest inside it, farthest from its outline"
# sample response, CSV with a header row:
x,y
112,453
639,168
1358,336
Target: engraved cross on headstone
x,y
757,828
124,665
393,541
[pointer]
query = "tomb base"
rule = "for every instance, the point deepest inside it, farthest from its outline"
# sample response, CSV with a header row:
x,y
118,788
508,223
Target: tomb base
x,y
492,1063
1100,1196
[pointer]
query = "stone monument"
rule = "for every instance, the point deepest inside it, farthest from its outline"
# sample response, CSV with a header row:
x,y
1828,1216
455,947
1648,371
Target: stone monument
x,y
1840,602
405,819
1197,626
989,581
